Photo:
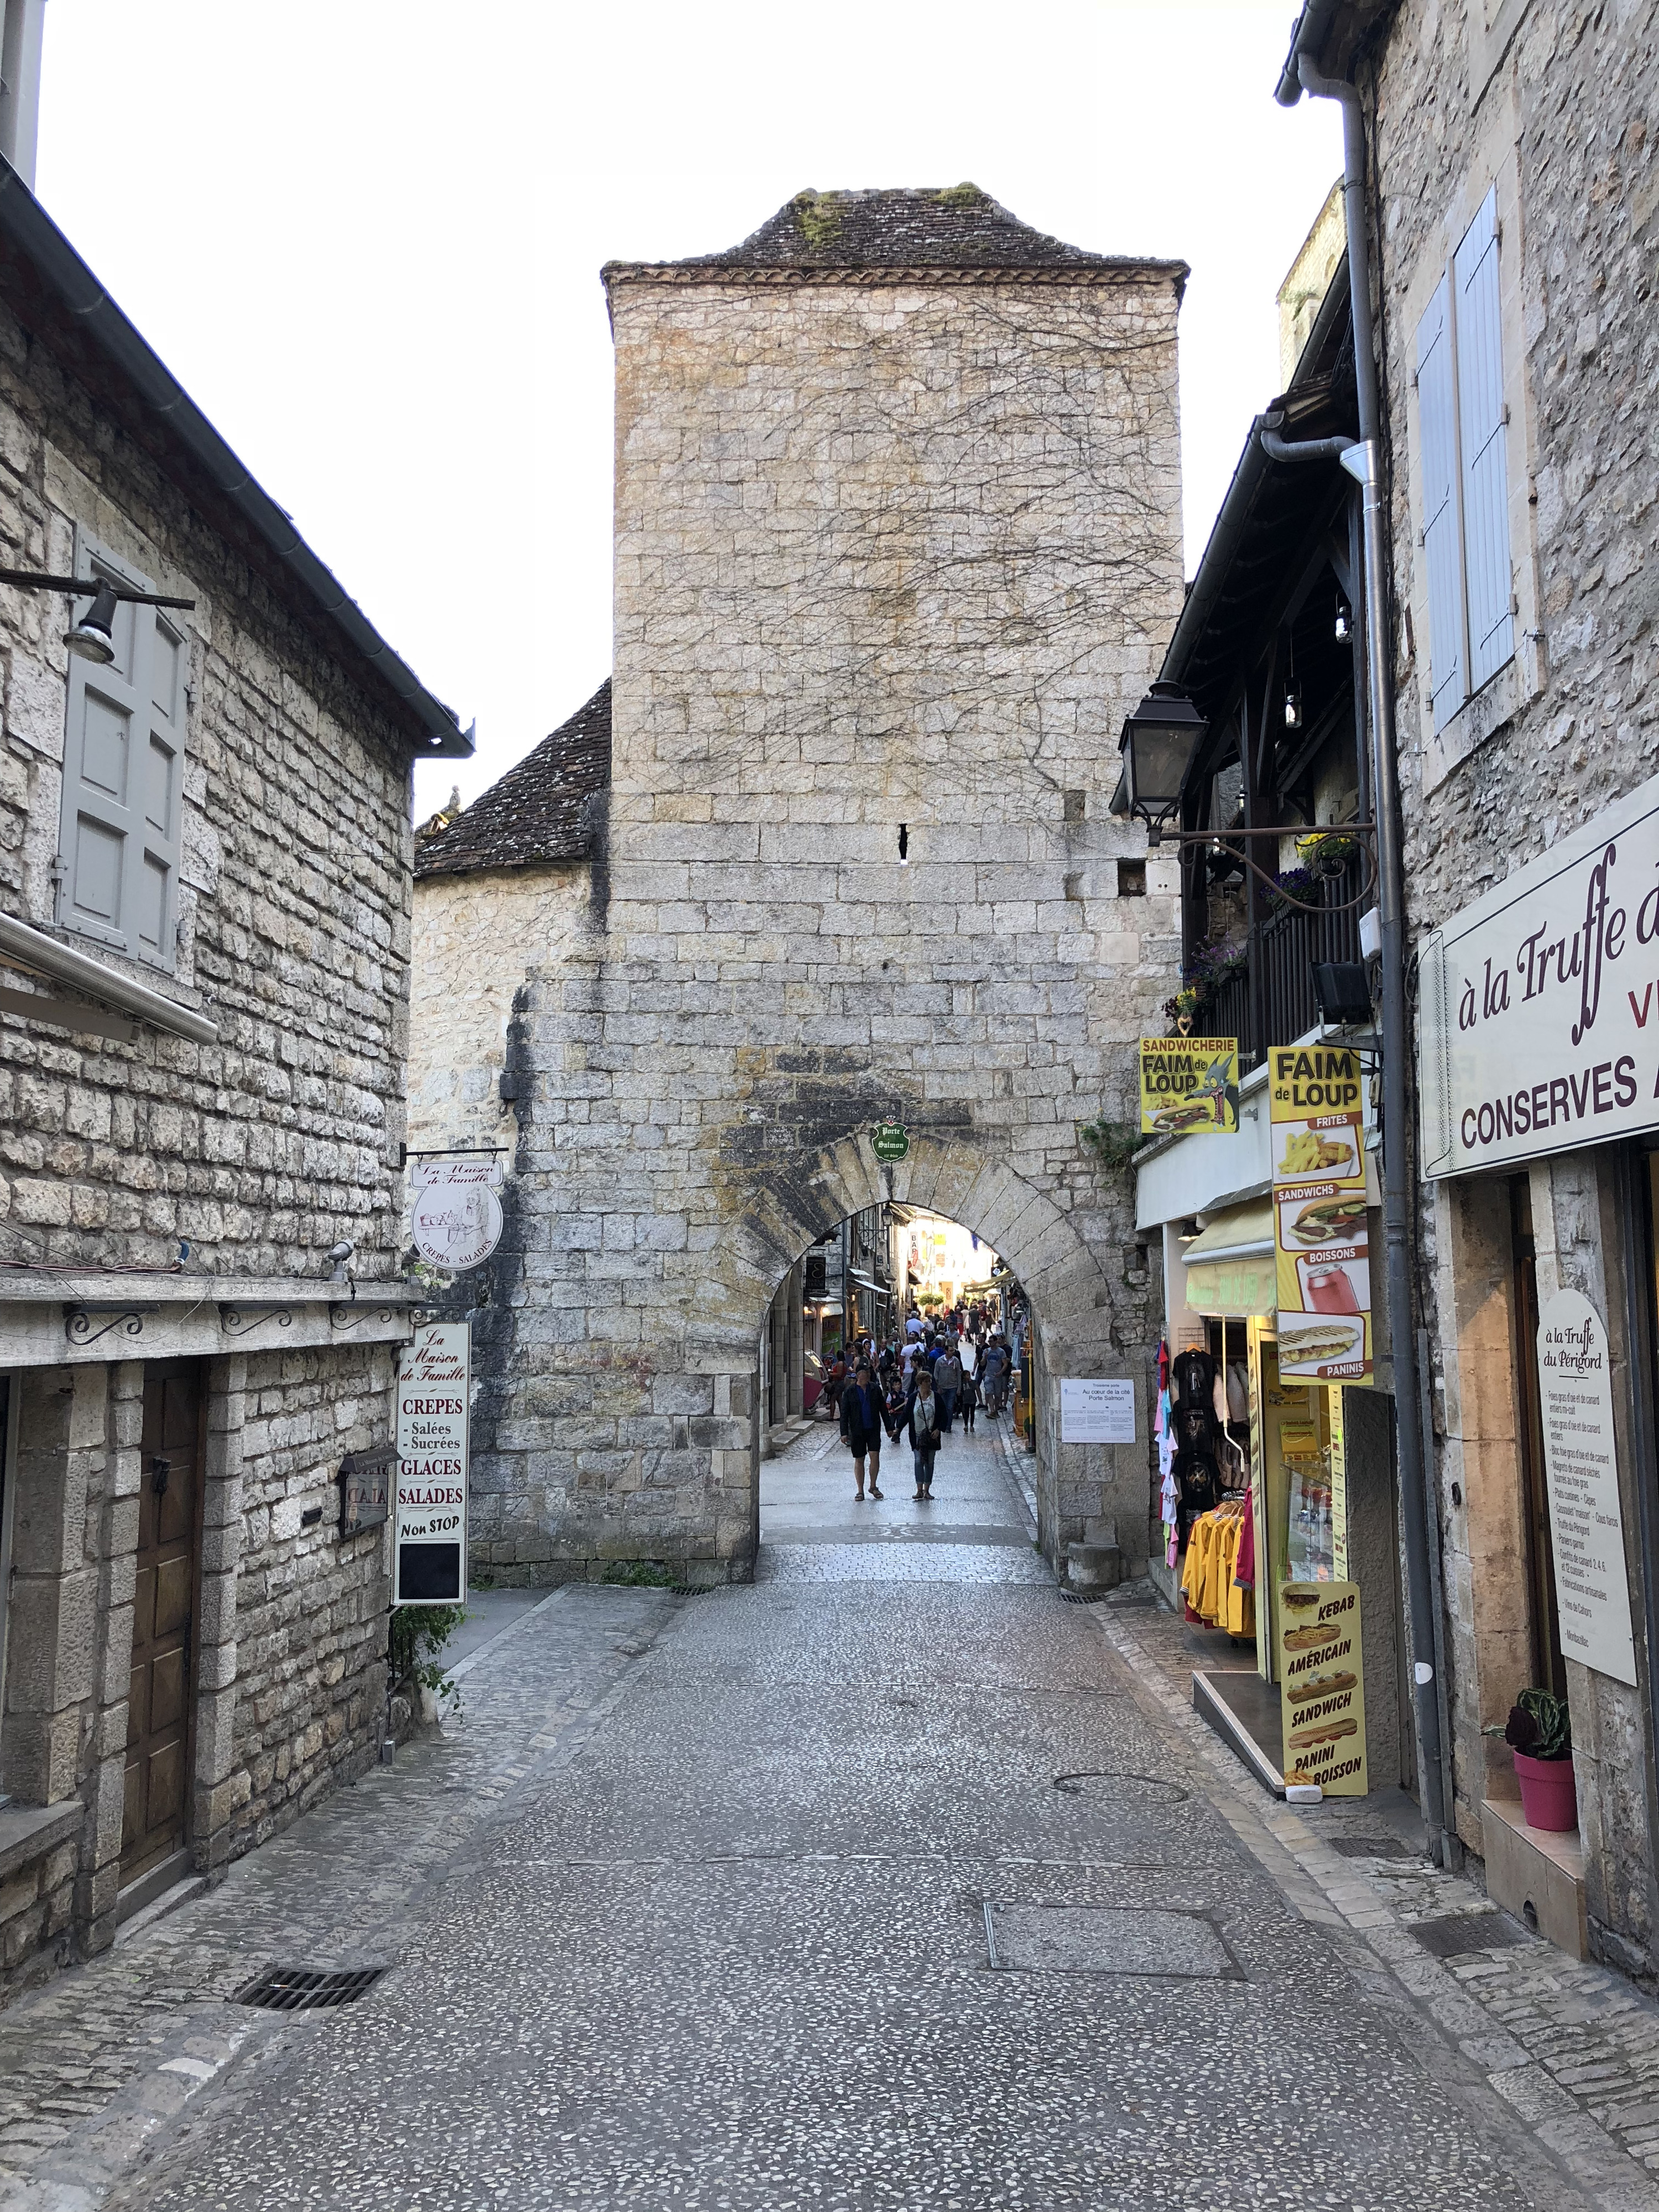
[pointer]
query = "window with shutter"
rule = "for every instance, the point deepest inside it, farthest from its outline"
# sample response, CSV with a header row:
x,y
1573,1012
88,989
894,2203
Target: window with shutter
x,y
1482,417
1436,395
123,776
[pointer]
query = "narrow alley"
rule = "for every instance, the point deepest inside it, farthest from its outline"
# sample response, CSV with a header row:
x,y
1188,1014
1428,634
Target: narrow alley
x,y
893,1879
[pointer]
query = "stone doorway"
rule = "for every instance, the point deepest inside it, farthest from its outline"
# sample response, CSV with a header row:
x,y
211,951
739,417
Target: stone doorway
x,y
159,1705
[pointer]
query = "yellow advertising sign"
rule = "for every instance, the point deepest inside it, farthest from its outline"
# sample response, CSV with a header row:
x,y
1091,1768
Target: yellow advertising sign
x,y
1321,1686
1320,1238
1188,1086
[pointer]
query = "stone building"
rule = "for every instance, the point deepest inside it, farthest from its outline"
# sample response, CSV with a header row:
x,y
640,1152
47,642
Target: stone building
x,y
205,866
1512,192
897,545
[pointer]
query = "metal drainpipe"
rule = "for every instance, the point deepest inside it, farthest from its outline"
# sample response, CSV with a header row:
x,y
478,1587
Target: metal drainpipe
x,y
1363,461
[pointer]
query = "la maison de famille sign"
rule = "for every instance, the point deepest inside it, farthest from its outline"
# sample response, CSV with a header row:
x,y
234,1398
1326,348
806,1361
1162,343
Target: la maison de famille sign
x,y
1538,1021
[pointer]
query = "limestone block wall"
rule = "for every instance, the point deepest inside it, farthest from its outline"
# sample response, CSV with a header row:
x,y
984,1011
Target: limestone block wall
x,y
289,1678
886,555
266,1149
1551,105
476,938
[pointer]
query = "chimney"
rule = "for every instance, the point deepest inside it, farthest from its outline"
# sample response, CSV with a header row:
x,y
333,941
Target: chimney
x,y
20,84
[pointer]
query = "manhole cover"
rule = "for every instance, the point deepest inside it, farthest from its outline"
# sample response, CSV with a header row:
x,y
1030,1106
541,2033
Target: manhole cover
x,y
298,1989
1460,1934
1092,1939
1372,1847
1104,1781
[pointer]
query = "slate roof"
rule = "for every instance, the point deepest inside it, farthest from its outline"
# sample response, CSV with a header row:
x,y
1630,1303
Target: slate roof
x,y
545,809
958,227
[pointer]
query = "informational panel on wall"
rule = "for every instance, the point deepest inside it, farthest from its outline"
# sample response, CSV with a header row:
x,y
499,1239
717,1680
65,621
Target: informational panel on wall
x,y
1321,1677
1592,1591
455,1219
434,1376
1321,1239
1096,1413
1188,1086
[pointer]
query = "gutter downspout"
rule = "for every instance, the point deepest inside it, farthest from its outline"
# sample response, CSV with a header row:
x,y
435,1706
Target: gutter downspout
x,y
1363,462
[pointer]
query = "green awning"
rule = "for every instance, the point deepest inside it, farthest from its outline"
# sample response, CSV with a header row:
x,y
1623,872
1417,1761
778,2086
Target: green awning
x,y
1231,1266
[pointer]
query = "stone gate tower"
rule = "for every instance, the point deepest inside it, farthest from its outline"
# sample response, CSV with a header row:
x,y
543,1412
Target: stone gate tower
x,y
897,545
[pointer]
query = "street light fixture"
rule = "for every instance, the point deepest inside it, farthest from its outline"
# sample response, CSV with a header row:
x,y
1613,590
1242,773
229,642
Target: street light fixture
x,y
92,637
1159,743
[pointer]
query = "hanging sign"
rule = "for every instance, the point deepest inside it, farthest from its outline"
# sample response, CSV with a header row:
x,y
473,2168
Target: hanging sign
x,y
1321,1244
1321,1686
435,1375
366,1488
1592,1592
1539,1027
1096,1413
1188,1086
456,1216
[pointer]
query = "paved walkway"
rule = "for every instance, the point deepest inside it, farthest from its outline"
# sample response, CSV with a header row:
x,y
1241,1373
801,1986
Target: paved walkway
x,y
893,1881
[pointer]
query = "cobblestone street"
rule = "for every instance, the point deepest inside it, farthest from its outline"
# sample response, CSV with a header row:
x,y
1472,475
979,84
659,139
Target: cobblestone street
x,y
893,1881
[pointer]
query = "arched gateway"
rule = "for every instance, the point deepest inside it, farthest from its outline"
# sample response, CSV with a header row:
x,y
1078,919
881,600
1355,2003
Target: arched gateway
x,y
898,545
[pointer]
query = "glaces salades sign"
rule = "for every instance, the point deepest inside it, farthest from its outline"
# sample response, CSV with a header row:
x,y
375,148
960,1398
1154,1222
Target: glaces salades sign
x,y
1539,1014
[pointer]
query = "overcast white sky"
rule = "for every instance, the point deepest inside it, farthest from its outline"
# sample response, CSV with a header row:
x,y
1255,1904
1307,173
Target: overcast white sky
x,y
366,235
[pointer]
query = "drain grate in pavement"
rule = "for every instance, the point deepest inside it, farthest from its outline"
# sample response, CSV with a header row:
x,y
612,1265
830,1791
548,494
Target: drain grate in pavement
x,y
1372,1847
1092,1939
297,1989
1460,1935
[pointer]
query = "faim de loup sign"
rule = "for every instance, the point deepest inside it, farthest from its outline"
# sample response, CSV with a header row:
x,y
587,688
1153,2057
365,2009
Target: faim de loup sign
x,y
1539,1005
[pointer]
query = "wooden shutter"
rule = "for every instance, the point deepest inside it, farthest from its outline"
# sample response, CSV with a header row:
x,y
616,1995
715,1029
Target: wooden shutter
x,y
1437,417
123,776
1483,443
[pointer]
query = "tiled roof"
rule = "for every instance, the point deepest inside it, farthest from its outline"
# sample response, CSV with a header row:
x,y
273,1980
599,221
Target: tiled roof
x,y
959,227
545,809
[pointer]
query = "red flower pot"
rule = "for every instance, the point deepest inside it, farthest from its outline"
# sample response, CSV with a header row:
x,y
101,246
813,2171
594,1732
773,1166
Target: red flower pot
x,y
1549,1794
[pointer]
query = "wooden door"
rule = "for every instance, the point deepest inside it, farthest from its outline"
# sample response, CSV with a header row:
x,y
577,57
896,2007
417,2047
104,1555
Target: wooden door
x,y
160,1706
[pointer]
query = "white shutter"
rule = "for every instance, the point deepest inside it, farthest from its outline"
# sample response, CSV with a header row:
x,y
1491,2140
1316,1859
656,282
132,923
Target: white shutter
x,y
1481,436
1437,419
123,776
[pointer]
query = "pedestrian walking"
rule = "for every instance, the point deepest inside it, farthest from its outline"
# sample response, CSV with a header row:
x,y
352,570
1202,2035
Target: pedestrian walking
x,y
994,1368
863,1418
921,1427
947,1382
968,1402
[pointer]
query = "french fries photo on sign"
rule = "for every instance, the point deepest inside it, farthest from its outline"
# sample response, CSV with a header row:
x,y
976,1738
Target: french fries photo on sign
x,y
1321,1239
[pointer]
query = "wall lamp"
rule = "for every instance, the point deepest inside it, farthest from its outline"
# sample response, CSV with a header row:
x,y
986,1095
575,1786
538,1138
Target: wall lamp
x,y
1159,745
93,637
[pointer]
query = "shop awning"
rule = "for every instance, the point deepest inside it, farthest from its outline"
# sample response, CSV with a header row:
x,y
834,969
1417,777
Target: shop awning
x,y
1230,1266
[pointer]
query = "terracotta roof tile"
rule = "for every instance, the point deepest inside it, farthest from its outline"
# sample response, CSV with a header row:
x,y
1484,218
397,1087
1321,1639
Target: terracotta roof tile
x,y
545,809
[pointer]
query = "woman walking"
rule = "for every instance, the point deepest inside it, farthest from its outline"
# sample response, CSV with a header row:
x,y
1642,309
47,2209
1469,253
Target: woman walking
x,y
967,1401
922,1424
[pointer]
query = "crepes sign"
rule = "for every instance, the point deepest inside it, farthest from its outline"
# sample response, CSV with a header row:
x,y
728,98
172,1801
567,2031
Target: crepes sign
x,y
1188,1086
1321,1686
1322,1242
1539,1005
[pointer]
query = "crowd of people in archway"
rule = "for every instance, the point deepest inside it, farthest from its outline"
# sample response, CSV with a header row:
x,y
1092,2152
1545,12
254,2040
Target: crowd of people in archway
x,y
914,1390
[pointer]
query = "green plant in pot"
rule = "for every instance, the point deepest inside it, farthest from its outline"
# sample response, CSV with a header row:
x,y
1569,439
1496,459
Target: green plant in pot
x,y
1539,1733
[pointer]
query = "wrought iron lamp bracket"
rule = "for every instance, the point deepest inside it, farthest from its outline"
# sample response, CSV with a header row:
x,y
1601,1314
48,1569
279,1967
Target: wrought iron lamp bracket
x,y
1364,831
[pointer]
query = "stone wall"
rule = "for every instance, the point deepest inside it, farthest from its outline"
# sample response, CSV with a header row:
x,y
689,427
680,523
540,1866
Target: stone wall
x,y
1551,103
886,555
266,1149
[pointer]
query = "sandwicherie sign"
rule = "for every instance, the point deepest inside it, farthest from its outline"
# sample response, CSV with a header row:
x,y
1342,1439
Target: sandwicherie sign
x,y
1539,1009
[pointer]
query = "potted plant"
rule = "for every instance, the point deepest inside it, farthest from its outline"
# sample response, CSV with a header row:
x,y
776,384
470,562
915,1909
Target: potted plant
x,y
1539,1732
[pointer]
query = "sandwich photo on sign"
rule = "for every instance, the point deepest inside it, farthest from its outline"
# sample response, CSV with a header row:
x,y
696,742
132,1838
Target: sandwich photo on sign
x,y
1188,1086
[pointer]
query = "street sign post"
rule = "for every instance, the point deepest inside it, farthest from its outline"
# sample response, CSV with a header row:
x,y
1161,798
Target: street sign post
x,y
434,1378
